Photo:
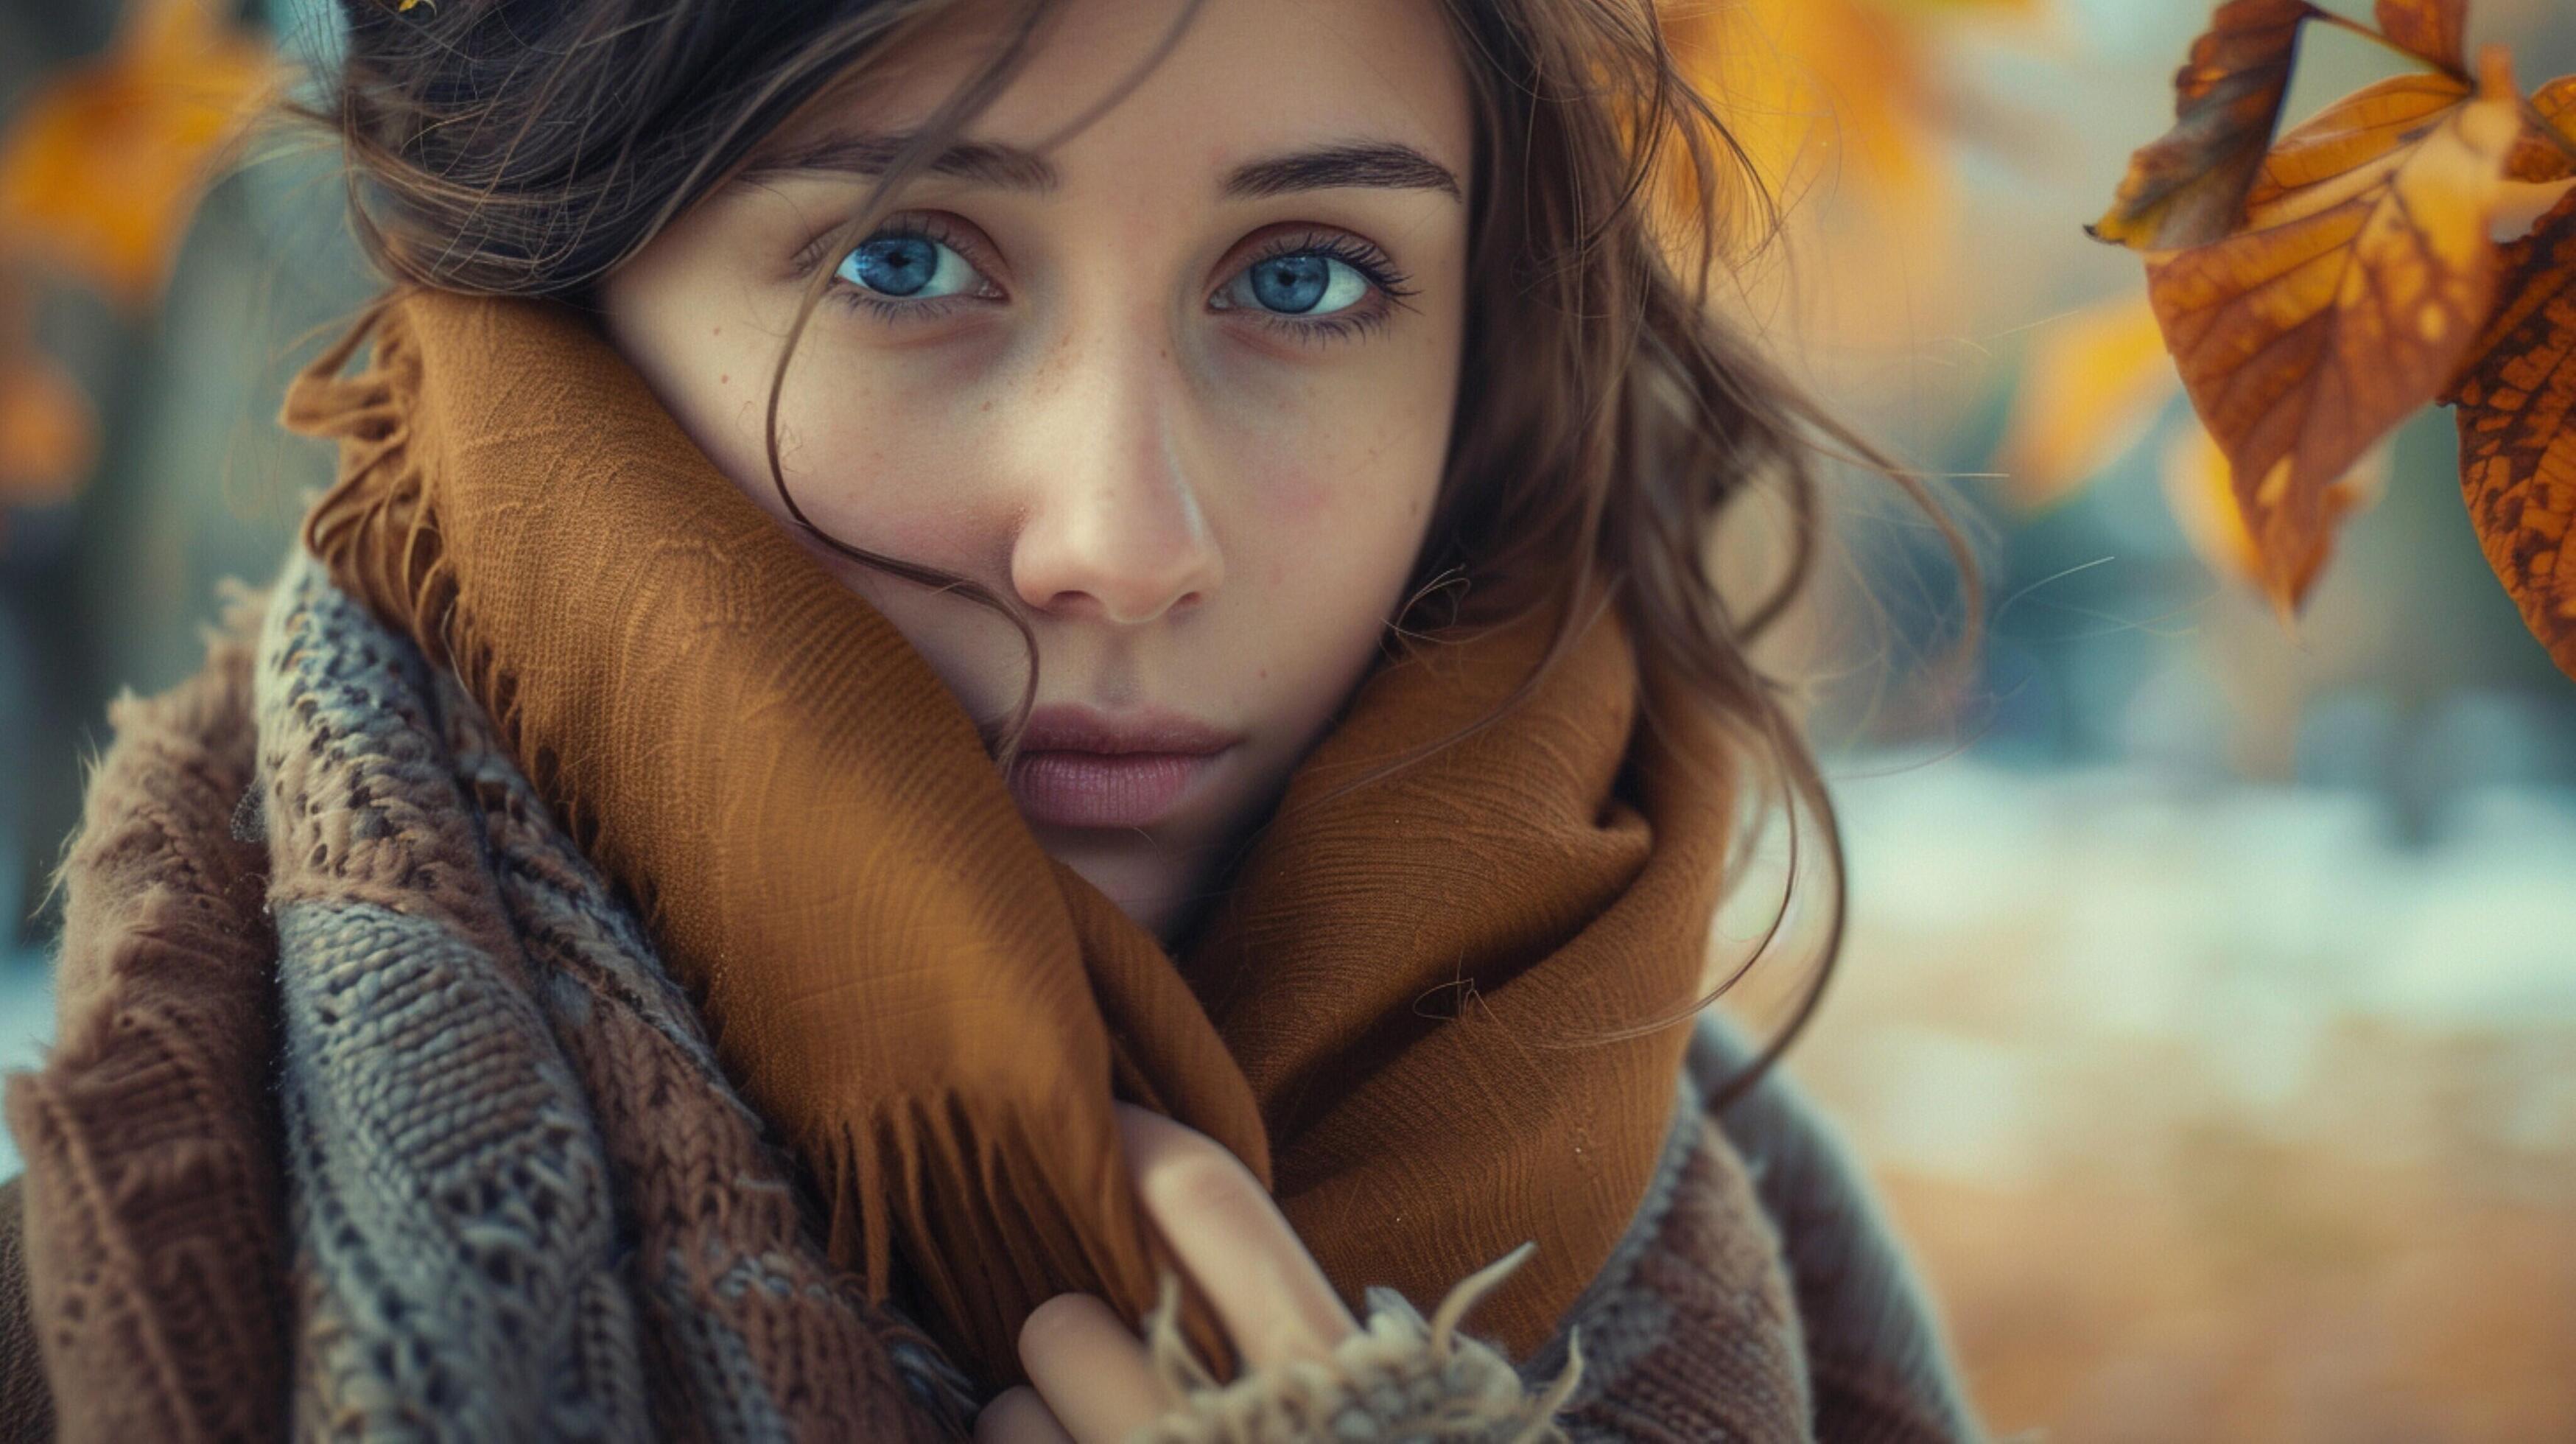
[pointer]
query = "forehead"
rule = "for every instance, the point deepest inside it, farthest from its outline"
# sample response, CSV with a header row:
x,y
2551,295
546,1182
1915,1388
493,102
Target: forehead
x,y
1242,78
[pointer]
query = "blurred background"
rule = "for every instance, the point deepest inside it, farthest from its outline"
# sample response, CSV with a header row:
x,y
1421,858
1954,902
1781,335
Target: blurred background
x,y
2209,1008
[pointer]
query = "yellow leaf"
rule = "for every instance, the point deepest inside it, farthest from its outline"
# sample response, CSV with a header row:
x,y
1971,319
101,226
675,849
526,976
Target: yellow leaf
x,y
2201,489
48,436
1827,89
2092,386
2334,155
102,170
2202,493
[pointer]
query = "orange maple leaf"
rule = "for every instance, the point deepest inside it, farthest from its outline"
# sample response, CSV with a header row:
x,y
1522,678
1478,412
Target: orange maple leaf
x,y
2517,415
2188,188
102,170
2354,294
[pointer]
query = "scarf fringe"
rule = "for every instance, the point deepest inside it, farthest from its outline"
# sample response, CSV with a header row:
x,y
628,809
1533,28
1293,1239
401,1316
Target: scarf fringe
x,y
376,528
949,1169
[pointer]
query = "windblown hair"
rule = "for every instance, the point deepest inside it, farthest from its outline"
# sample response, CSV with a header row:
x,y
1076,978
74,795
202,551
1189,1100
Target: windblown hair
x,y
1608,422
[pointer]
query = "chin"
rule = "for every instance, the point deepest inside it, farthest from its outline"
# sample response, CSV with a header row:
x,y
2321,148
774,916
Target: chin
x,y
1130,869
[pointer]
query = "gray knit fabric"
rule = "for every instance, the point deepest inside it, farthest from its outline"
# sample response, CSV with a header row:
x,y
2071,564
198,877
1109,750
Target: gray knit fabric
x,y
454,1224
751,1313
506,1131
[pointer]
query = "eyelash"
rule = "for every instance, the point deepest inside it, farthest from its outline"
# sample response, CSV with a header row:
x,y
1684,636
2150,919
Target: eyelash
x,y
1389,287
917,227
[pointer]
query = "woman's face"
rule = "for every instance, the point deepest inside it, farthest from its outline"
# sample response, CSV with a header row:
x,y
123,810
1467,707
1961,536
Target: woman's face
x,y
1180,386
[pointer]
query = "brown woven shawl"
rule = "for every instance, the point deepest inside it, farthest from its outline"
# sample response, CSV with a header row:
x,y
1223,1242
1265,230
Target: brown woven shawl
x,y
936,1014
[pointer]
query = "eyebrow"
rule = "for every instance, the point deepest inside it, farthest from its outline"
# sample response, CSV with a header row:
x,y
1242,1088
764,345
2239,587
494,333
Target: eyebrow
x,y
1379,165
1383,164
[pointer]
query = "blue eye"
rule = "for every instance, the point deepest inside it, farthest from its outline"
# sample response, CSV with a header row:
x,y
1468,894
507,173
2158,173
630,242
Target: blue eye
x,y
908,268
1300,283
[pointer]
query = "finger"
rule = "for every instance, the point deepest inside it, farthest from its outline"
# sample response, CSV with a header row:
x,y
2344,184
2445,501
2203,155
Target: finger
x,y
1019,1416
1274,1301
1090,1368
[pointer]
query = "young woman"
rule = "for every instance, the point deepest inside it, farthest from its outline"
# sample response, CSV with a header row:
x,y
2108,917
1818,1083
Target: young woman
x,y
971,658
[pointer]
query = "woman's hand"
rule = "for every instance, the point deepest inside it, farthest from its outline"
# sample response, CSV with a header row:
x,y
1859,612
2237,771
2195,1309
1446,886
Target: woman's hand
x,y
1090,1382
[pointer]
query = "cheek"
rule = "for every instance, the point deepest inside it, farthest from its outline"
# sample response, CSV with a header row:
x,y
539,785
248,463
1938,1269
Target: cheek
x,y
1334,518
873,454
709,339
1339,480
1338,530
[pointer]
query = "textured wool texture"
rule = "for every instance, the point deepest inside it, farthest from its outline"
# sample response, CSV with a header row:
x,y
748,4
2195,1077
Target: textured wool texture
x,y
1401,1376
937,1014
1759,1294
520,1199
154,1192
392,824
449,1200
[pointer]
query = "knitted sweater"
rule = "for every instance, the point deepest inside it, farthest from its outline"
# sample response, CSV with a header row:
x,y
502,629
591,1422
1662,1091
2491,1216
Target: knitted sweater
x,y
1691,1298
1756,1295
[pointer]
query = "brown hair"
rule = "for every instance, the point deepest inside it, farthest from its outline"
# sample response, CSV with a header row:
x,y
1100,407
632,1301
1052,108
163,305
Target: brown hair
x,y
1609,422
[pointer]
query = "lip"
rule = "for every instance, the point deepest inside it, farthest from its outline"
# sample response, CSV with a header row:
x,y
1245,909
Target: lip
x,y
1079,767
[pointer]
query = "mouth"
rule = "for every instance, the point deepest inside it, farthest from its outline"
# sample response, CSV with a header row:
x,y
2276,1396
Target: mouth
x,y
1082,768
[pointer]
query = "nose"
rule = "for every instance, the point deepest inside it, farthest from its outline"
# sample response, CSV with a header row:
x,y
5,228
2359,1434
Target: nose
x,y
1114,528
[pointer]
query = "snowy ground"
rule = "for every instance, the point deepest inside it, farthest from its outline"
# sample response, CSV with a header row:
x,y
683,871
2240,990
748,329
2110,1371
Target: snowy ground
x,y
2009,929
2233,1115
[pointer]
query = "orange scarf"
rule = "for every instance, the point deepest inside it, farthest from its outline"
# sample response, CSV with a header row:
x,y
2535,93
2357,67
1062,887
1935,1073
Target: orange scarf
x,y
934,1014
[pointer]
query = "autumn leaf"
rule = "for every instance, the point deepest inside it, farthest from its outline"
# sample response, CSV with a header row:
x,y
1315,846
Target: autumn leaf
x,y
2517,417
2094,384
48,436
2200,490
2345,141
102,170
2352,298
2544,158
2435,30
1806,86
2188,188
